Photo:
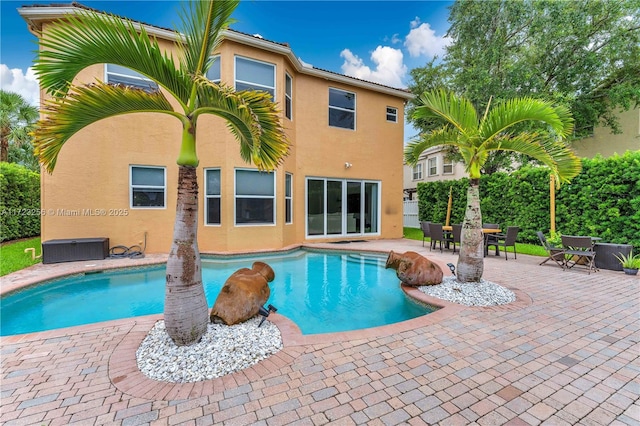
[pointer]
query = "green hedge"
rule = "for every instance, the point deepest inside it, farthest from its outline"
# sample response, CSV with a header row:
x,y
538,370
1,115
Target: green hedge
x,y
19,202
603,200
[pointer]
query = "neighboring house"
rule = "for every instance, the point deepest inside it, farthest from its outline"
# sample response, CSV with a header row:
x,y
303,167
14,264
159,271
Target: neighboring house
x,y
434,166
342,180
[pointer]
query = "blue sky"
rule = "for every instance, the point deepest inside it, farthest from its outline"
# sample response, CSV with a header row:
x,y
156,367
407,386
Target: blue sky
x,y
379,41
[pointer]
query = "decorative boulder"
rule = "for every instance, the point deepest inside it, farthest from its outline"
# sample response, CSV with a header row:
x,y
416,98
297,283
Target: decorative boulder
x,y
414,269
242,295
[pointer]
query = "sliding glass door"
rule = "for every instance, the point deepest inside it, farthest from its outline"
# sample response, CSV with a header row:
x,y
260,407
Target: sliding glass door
x,y
342,207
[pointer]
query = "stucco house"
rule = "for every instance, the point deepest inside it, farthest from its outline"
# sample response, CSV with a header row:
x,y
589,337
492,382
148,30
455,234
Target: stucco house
x,y
341,181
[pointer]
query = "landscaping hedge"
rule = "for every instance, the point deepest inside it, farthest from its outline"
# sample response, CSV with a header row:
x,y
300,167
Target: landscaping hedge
x,y
19,203
603,200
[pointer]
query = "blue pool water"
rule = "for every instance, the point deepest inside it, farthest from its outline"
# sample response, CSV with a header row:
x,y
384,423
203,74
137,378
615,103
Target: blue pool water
x,y
322,292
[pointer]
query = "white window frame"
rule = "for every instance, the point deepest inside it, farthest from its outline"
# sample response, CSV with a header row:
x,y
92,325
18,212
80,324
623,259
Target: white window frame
x,y
433,168
417,171
235,198
392,114
355,99
216,58
145,83
207,196
132,187
288,199
447,164
288,96
255,86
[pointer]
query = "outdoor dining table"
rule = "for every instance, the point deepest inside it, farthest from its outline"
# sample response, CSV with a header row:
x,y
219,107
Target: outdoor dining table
x,y
485,232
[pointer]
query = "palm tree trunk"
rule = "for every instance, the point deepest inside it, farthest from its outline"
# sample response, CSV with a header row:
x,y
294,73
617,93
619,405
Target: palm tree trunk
x,y
471,260
185,305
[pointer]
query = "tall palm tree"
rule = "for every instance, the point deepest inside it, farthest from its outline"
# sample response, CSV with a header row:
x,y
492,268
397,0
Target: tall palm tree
x,y
17,119
476,137
90,38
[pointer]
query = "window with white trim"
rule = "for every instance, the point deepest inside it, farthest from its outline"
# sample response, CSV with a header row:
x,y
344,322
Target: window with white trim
x,y
212,196
417,171
432,166
288,198
147,187
447,167
342,109
288,96
255,196
255,75
213,73
116,74
392,114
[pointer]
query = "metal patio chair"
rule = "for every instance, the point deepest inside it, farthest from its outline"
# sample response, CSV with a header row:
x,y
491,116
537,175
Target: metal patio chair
x,y
578,251
553,253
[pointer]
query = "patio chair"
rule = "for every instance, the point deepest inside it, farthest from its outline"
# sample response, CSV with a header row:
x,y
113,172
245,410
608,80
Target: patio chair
x,y
578,251
437,235
456,234
553,253
424,226
506,240
490,239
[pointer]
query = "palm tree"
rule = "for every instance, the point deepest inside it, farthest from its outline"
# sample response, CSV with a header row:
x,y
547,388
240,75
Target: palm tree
x,y
476,137
17,119
90,38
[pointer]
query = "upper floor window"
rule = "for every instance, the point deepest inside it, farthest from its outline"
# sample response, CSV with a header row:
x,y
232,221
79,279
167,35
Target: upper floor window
x,y
288,198
342,109
212,196
447,167
147,186
116,74
392,114
255,75
213,73
255,197
417,171
288,99
432,166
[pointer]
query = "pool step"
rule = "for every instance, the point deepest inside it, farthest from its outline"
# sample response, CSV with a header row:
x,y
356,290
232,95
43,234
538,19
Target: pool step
x,y
371,259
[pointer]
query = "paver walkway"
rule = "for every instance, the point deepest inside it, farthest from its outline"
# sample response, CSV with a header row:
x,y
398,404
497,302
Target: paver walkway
x,y
566,353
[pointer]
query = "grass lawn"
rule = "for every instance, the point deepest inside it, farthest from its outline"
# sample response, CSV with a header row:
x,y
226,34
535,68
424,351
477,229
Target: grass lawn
x,y
532,249
12,255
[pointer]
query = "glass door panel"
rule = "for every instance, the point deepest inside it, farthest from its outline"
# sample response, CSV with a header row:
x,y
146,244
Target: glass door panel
x,y
371,213
315,207
354,207
334,207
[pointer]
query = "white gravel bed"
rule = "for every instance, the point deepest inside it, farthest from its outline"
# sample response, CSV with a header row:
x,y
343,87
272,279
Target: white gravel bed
x,y
484,293
223,350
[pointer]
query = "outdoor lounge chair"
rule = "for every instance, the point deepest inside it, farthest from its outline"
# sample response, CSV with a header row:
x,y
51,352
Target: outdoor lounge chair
x,y
553,253
578,251
505,240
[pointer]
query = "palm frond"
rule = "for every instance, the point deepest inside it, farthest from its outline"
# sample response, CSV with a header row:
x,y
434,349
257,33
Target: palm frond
x,y
83,106
90,38
507,114
251,117
450,108
202,26
438,137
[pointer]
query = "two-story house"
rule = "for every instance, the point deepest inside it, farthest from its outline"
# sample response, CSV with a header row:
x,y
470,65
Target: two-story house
x,y
342,179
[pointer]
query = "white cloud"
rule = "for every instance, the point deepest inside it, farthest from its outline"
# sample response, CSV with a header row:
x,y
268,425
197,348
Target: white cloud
x,y
389,67
423,41
13,80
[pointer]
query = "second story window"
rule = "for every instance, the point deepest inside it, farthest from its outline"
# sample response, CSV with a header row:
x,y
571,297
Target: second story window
x,y
116,74
342,109
432,166
255,75
447,167
417,171
392,114
288,99
213,73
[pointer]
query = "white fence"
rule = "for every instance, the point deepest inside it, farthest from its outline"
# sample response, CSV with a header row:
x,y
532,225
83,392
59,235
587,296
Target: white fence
x,y
410,214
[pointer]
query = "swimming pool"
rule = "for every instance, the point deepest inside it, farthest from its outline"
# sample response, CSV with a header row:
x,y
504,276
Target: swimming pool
x,y
322,292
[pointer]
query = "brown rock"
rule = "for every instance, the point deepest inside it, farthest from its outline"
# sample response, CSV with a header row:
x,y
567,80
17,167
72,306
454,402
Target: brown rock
x,y
414,269
242,295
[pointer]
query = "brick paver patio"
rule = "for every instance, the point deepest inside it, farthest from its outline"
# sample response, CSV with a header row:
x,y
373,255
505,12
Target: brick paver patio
x,y
566,352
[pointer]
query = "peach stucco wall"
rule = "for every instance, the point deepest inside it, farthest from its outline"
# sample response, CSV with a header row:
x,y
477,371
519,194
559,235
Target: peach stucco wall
x,y
88,193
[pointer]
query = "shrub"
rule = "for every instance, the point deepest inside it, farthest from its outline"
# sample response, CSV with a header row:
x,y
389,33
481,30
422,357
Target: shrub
x,y
20,202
